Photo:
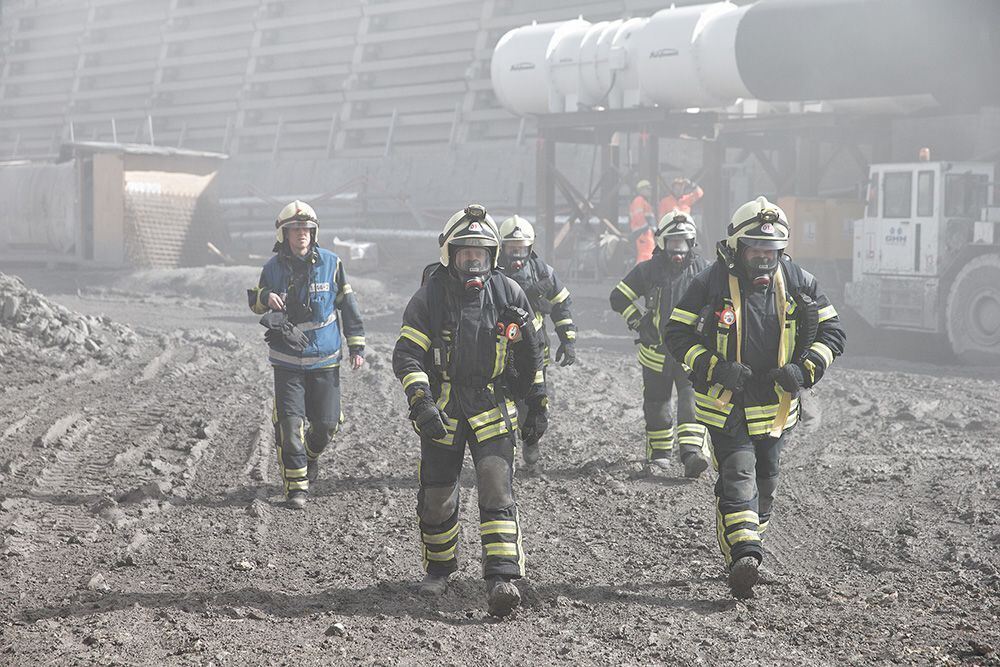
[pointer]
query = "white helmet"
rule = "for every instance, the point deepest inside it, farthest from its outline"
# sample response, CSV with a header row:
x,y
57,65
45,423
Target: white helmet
x,y
516,236
298,213
675,224
472,226
760,224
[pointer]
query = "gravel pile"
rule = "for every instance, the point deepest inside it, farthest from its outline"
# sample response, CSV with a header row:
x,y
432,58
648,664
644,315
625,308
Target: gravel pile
x,y
32,326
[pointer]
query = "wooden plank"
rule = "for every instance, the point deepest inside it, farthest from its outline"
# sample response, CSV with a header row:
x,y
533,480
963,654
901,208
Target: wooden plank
x,y
300,73
401,6
423,32
403,92
412,62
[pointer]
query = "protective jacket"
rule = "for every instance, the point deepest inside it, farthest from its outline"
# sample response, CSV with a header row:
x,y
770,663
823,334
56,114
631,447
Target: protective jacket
x,y
547,296
660,285
451,347
641,221
720,319
319,301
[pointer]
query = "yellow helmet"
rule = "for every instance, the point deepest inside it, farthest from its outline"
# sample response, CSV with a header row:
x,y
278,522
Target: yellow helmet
x,y
758,223
675,224
643,184
472,226
295,214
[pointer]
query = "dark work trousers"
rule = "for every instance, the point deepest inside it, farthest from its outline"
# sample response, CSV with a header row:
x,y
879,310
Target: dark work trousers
x,y
438,503
306,417
744,490
660,430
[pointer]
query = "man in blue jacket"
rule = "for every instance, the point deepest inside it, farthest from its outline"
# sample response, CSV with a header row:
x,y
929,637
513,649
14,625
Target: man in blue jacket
x,y
309,309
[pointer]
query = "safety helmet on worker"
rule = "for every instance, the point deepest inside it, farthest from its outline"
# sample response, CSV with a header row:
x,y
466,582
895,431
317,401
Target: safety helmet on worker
x,y
470,245
643,185
517,236
762,226
676,235
297,214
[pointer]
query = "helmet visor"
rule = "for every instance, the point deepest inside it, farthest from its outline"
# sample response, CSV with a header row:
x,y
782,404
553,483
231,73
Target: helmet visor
x,y
472,259
676,245
765,244
517,249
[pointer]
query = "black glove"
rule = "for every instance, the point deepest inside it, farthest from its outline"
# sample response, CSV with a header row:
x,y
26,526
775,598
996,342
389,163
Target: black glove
x,y
567,353
427,418
279,329
648,335
731,375
789,377
535,424
356,350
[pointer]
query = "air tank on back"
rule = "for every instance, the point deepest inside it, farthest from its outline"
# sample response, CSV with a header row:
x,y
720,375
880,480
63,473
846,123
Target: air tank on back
x,y
915,53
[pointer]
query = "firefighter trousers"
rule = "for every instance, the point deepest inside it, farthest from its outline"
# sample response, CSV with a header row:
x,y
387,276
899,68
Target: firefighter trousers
x,y
438,503
306,417
661,432
744,490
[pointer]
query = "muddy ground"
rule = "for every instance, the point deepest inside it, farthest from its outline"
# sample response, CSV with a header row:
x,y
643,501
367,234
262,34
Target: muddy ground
x,y
141,517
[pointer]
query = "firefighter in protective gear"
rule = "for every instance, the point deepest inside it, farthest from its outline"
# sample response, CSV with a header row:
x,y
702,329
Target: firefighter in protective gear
x,y
683,195
659,284
310,312
754,329
642,221
466,352
545,293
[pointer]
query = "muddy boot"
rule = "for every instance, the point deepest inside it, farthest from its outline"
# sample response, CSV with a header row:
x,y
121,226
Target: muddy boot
x,y
312,470
661,460
297,499
530,452
502,597
694,465
433,585
743,574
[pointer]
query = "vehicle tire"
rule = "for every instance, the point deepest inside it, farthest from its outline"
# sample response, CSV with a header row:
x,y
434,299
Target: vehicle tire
x,y
972,315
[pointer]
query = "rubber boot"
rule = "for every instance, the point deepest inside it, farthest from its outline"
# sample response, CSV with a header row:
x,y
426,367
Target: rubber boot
x,y
743,574
433,585
312,470
530,452
502,597
297,499
694,465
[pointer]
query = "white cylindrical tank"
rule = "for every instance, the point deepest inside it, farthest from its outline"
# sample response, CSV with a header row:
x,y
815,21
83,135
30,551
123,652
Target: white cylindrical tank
x,y
666,57
563,59
622,62
715,53
595,73
519,69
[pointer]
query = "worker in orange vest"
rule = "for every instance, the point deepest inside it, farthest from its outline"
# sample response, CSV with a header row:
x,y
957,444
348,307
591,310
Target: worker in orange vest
x,y
683,195
642,221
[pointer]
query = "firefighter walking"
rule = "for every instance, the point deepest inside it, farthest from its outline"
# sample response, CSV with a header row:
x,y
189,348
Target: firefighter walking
x,y
547,296
754,329
310,312
466,351
645,298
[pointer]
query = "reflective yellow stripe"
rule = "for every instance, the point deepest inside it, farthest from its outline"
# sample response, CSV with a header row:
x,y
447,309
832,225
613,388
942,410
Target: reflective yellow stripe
x,y
693,354
746,516
827,313
500,549
346,289
711,367
412,378
484,418
825,353
447,554
745,535
418,337
353,341
501,356
570,335
683,316
811,368
629,312
539,377
498,528
651,353
627,291
563,323
560,297
440,538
